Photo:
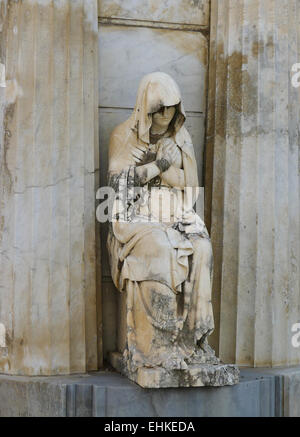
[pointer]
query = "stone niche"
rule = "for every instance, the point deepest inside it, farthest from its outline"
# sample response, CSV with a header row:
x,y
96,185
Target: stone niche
x,y
181,53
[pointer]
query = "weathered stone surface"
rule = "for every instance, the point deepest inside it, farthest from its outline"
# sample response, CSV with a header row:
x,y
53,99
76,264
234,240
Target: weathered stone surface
x,y
252,179
160,262
49,160
2,76
172,11
287,388
260,393
291,386
22,397
201,375
130,53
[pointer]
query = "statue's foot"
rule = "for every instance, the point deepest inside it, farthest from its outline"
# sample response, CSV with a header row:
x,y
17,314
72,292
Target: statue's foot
x,y
204,355
193,375
175,361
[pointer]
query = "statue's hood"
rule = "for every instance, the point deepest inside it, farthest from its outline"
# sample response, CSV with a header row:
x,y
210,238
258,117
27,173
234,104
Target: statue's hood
x,y
155,91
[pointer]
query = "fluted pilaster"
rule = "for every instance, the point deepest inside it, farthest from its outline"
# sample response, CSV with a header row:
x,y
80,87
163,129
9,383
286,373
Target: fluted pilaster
x,y
49,158
253,169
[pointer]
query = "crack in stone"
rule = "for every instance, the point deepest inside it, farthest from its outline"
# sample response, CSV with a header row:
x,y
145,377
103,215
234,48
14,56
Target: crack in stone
x,y
29,187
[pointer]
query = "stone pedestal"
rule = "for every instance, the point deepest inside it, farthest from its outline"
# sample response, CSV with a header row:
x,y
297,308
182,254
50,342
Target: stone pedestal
x,y
48,180
260,393
196,375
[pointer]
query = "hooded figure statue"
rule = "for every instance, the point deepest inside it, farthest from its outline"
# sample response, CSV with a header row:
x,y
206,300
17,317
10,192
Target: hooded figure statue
x,y
159,249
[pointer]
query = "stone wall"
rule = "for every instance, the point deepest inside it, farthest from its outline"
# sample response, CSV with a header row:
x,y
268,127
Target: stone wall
x,y
252,179
50,309
49,162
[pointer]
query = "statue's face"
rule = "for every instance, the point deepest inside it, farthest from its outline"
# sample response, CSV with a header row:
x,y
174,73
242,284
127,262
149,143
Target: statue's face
x,y
163,117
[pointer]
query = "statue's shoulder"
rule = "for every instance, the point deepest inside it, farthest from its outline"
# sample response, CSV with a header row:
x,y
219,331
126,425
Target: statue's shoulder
x,y
183,136
120,140
121,132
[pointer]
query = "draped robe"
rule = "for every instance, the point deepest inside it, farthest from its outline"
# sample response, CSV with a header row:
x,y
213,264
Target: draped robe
x,y
163,269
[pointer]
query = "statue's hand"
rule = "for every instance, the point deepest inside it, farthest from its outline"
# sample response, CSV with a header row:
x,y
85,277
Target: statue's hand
x,y
168,150
138,154
142,156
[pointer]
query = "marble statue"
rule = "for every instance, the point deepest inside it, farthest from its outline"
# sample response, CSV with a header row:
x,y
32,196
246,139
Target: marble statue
x,y
159,248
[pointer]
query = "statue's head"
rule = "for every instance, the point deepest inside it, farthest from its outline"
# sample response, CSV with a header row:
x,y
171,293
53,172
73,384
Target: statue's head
x,y
164,116
158,101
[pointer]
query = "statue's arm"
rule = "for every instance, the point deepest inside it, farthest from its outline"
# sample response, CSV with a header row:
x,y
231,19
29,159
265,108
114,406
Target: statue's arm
x,y
174,177
144,173
170,174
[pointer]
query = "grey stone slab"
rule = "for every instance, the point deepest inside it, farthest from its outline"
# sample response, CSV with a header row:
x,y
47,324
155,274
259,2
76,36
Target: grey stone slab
x,y
167,11
266,377
46,400
291,399
247,399
107,378
279,399
21,398
99,401
84,400
267,397
13,399
238,401
71,401
287,388
126,54
260,393
129,401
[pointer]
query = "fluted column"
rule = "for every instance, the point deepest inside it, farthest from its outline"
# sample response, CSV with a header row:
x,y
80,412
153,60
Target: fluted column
x,y
49,162
253,179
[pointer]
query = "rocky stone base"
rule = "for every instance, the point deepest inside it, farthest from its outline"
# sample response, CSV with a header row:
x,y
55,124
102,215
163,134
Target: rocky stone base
x,y
197,375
